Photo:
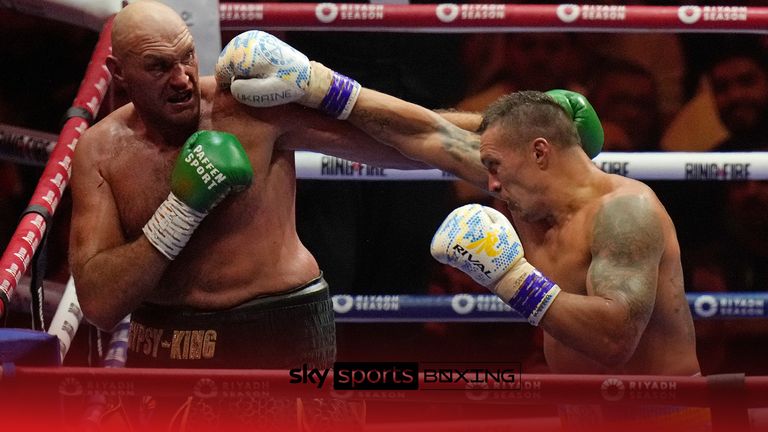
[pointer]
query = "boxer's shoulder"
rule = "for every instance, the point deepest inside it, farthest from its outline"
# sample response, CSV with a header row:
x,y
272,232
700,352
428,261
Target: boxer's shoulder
x,y
259,127
616,189
97,142
118,123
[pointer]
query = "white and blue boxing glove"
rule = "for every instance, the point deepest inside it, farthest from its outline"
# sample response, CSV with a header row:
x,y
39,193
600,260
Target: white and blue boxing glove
x,y
263,71
482,243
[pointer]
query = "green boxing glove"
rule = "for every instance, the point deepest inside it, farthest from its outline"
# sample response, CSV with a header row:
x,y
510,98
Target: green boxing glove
x,y
210,165
584,116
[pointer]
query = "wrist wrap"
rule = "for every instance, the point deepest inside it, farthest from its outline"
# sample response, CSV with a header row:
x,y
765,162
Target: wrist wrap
x,y
172,225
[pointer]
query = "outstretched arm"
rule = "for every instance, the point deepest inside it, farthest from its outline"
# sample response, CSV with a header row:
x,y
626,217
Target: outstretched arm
x,y
422,134
244,67
305,129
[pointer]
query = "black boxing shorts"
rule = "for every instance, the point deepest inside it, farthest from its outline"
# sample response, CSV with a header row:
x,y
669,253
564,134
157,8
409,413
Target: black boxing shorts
x,y
269,332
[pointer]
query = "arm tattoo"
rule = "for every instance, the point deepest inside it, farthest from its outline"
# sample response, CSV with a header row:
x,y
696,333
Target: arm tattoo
x,y
386,127
626,248
462,145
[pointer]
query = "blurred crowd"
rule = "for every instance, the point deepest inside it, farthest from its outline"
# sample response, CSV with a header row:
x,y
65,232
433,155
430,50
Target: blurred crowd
x,y
652,91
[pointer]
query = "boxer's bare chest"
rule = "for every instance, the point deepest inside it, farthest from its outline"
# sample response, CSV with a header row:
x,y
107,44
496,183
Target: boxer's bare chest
x,y
563,254
140,177
138,170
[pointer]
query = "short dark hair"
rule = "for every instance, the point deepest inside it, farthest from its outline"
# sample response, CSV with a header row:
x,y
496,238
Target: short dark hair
x,y
527,115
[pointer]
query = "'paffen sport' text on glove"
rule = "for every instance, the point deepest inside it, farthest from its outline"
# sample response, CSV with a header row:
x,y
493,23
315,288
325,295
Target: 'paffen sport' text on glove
x,y
209,167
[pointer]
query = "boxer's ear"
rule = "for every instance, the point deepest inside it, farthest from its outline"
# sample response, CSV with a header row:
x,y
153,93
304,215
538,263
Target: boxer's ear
x,y
541,149
115,69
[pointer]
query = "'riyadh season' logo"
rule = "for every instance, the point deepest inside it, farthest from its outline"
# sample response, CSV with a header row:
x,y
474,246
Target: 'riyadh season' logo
x,y
326,12
447,12
689,14
568,12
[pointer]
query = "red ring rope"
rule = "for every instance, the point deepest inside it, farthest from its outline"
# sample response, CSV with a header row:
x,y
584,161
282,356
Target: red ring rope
x,y
53,181
751,391
449,17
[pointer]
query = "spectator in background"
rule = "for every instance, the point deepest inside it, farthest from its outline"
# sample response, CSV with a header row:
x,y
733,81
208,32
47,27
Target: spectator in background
x,y
625,96
696,126
738,63
501,64
735,256
739,80
735,68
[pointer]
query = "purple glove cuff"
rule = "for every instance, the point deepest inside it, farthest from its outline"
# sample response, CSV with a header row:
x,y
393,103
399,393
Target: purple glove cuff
x,y
340,97
534,297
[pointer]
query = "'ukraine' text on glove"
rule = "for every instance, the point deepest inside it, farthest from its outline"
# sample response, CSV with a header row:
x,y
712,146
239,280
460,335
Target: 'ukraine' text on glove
x,y
262,71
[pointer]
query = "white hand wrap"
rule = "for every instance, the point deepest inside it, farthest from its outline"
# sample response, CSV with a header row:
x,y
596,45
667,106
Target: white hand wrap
x,y
172,225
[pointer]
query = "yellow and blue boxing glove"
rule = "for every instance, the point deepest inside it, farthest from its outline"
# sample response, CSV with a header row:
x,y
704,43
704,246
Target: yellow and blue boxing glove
x,y
482,243
262,71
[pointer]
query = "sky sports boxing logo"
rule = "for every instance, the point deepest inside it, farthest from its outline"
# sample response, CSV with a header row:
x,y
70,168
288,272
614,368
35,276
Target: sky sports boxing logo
x,y
411,376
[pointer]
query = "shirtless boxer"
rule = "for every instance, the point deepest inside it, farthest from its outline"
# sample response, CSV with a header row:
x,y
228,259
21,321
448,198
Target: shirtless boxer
x,y
242,291
608,285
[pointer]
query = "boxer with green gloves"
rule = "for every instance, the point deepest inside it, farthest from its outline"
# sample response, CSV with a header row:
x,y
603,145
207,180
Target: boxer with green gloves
x,y
584,116
243,291
210,166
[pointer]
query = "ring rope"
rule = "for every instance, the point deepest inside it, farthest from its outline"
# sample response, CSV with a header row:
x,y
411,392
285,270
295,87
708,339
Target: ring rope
x,y
458,18
50,187
462,307
30,147
549,388
25,146
489,308
436,18
640,166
